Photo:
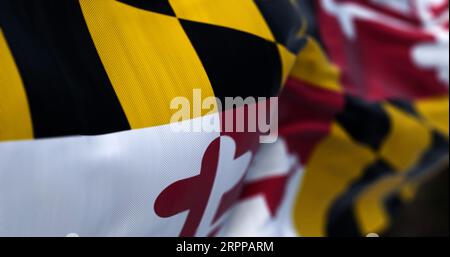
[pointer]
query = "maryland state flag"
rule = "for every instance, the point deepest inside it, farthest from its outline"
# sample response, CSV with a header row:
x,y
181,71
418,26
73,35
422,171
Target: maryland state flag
x,y
87,144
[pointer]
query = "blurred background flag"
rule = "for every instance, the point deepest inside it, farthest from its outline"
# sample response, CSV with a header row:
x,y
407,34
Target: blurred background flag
x,y
86,145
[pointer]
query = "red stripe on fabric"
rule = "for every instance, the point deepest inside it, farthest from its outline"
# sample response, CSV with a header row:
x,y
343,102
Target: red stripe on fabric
x,y
273,190
306,114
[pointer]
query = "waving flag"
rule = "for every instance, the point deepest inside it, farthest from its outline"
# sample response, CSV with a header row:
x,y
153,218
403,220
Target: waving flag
x,y
87,144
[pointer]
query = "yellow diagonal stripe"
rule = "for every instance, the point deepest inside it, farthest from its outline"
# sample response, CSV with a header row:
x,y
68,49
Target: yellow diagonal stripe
x,y
15,118
334,165
287,61
148,57
241,15
436,112
370,211
313,66
407,140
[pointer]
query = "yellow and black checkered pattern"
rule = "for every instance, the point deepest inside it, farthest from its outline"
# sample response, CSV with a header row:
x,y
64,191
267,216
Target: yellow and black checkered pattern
x,y
92,67
373,161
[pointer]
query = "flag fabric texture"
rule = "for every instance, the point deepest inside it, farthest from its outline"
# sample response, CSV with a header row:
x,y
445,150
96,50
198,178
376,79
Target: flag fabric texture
x,y
86,144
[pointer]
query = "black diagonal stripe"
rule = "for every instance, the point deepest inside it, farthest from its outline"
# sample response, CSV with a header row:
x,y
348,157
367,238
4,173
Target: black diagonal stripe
x,y
437,151
341,216
159,6
237,63
285,20
429,162
367,123
67,87
405,106
393,204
